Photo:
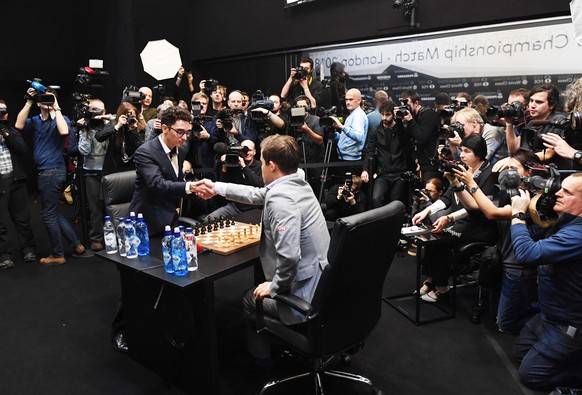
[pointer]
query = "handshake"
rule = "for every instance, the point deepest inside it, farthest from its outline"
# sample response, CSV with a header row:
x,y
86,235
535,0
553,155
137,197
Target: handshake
x,y
203,188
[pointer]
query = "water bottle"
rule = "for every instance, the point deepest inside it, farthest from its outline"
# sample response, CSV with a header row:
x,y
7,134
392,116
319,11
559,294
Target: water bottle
x,y
109,236
167,250
141,229
133,218
131,240
191,248
179,254
121,237
182,231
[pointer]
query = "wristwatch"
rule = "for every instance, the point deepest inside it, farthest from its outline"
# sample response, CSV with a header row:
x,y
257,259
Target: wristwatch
x,y
520,216
577,156
473,189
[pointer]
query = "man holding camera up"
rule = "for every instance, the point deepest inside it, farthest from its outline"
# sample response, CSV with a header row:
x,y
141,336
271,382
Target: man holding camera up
x,y
549,347
233,125
302,83
387,144
352,135
49,130
423,124
13,194
246,172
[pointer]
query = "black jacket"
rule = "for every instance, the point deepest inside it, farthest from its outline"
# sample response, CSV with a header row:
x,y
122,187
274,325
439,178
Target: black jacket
x,y
18,149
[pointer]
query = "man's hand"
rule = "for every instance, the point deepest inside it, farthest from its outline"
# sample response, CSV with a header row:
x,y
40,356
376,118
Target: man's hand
x,y
201,85
292,73
241,162
519,204
203,188
455,141
465,176
303,84
203,135
419,217
337,124
262,290
558,144
365,176
30,93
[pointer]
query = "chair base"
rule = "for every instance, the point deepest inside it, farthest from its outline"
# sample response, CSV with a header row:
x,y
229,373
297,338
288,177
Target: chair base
x,y
318,383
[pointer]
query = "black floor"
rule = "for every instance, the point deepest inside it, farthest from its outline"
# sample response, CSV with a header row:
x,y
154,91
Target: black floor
x,y
55,323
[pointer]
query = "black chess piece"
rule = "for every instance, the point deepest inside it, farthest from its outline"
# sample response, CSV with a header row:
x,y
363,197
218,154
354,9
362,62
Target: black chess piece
x,y
202,230
227,223
232,223
197,231
221,219
215,224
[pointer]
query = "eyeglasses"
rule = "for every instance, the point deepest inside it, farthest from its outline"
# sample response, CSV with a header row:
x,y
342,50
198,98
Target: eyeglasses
x,y
181,132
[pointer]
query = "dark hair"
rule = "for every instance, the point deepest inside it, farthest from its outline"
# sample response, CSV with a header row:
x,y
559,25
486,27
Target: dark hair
x,y
2,101
307,60
410,94
477,144
386,107
302,97
464,95
524,157
442,99
173,114
437,182
336,69
283,150
553,94
523,92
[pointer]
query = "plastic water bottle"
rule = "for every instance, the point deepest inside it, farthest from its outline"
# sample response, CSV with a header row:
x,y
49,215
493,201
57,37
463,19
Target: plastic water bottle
x,y
191,248
179,254
133,218
182,231
131,240
141,229
121,237
109,236
167,250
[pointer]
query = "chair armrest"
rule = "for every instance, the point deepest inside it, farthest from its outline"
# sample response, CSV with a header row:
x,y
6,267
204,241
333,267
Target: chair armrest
x,y
471,246
188,221
295,302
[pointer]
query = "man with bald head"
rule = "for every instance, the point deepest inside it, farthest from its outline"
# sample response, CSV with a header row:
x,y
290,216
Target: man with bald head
x,y
351,135
242,127
374,118
147,111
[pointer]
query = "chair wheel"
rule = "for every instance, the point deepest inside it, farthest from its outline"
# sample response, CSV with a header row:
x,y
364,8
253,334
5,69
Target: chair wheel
x,y
376,391
476,316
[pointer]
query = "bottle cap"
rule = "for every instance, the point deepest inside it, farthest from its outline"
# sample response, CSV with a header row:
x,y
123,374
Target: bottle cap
x,y
108,218
121,219
176,230
140,215
128,221
132,214
189,229
168,227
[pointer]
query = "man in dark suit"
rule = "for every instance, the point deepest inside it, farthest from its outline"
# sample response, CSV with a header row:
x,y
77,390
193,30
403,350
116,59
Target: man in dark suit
x,y
159,183
294,236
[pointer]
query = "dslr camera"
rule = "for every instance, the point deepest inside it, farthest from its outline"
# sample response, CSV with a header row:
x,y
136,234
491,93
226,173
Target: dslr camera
x,y
449,165
300,73
448,131
210,85
231,152
197,118
402,109
447,112
514,109
226,116
348,182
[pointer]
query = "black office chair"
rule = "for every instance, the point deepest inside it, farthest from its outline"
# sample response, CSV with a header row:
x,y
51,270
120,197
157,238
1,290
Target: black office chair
x,y
348,300
117,193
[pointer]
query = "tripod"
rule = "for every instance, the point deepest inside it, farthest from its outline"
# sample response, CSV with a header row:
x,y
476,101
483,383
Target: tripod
x,y
326,157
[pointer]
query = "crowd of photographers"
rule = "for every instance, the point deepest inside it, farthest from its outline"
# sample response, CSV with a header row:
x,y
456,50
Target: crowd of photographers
x,y
461,166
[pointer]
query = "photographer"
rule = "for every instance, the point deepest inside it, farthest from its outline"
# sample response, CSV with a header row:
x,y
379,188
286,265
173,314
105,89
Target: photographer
x,y
233,125
123,140
549,348
93,153
310,133
302,83
204,136
344,199
13,193
217,95
423,125
248,172
147,111
266,115
49,130
432,191
512,303
387,144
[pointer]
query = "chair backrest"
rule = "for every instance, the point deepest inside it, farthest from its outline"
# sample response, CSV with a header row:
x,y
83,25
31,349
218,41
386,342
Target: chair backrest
x,y
349,294
117,192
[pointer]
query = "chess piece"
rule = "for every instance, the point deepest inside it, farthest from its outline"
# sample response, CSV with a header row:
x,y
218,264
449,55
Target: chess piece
x,y
221,219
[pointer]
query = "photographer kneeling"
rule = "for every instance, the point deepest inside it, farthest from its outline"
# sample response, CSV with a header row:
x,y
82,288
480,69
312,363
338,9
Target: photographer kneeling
x,y
344,199
238,168
549,348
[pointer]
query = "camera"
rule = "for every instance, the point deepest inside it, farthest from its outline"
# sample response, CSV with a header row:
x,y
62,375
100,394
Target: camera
x,y
41,96
419,192
297,118
132,95
448,111
300,73
347,191
226,116
514,109
449,165
90,78
159,89
448,131
210,85
198,119
130,119
403,109
325,120
231,152
258,101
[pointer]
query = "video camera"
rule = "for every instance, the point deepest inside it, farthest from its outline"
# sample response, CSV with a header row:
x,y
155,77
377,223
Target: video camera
x,y
231,152
41,96
258,101
402,109
297,117
210,85
447,112
132,95
300,73
325,120
413,179
226,116
89,77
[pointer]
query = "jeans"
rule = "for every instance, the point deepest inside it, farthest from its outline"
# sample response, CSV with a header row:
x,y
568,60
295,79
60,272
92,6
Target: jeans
x,y
517,293
51,184
550,357
387,191
13,206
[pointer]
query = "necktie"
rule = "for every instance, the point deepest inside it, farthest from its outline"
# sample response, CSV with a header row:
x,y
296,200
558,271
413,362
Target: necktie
x,y
174,160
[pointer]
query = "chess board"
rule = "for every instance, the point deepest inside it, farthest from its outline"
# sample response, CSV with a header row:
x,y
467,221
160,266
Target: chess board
x,y
228,240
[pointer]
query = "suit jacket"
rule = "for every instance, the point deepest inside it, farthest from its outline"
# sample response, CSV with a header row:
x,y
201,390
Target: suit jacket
x,y
157,189
294,239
